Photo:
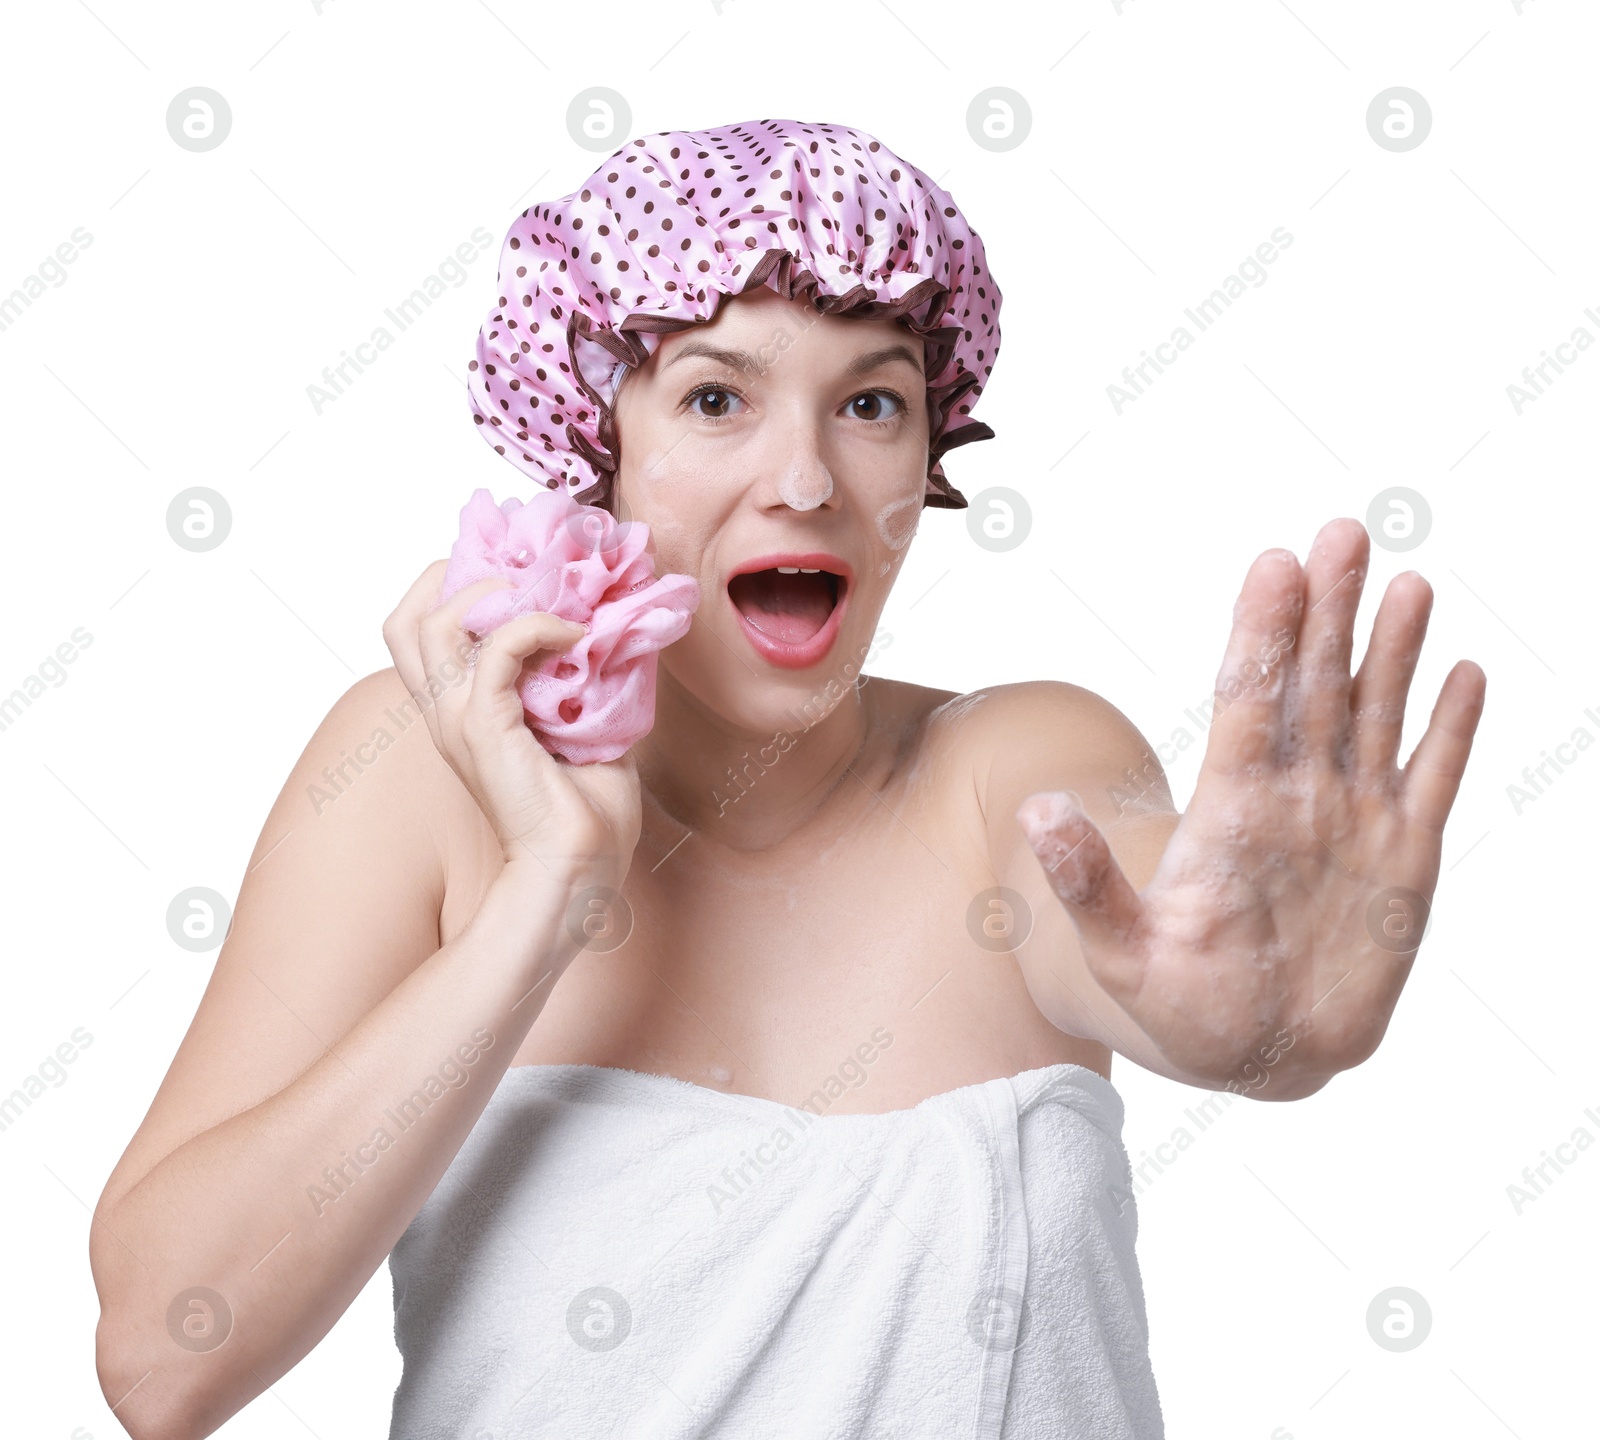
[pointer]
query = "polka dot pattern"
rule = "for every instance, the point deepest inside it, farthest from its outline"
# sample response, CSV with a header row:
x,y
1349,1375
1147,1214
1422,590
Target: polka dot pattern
x,y
671,226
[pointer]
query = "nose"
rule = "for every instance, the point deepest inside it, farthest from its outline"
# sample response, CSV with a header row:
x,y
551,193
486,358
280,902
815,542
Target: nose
x,y
805,482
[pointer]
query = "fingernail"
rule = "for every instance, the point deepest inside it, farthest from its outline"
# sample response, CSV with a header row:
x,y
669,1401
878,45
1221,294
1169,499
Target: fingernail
x,y
1048,811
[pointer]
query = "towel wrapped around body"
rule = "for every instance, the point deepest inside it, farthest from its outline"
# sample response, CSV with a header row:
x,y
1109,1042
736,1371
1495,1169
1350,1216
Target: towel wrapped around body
x,y
613,1253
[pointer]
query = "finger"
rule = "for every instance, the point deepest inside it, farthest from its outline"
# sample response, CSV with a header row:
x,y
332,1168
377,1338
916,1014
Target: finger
x,y
1247,717
493,708
1086,878
446,651
1319,700
400,628
494,705
1382,684
1433,774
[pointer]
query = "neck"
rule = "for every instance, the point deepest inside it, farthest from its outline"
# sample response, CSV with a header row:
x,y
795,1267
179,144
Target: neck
x,y
746,789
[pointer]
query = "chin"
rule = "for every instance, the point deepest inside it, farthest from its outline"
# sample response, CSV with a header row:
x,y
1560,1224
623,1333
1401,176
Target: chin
x,y
726,674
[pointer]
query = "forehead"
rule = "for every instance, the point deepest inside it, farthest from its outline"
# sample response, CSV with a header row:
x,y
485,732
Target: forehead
x,y
761,316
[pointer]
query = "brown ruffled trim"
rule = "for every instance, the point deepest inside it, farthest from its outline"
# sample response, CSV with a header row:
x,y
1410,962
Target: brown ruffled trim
x,y
919,309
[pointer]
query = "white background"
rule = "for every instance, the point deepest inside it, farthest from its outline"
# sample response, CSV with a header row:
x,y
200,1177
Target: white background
x,y
1167,142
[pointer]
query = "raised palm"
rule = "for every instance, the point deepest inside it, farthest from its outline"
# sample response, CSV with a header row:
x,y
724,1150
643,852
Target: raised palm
x,y
1283,918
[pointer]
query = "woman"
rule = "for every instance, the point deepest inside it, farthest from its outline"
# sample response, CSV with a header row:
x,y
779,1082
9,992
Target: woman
x,y
793,1073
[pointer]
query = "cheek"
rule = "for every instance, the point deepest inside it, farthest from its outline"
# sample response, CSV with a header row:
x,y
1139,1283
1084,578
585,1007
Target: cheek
x,y
897,521
653,470
673,504
675,542
646,487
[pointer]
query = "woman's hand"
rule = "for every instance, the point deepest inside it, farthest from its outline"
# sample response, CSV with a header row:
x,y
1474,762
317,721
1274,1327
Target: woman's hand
x,y
1269,949
577,824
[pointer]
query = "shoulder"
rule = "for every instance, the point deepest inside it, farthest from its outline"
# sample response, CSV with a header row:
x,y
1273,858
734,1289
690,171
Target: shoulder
x,y
1048,734
373,760
1049,702
978,720
376,716
955,713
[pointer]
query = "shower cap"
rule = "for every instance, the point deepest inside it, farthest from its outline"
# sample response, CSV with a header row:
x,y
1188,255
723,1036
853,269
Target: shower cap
x,y
674,224
594,700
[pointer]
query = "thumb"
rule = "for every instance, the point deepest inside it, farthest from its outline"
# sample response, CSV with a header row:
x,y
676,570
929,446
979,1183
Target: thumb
x,y
1087,880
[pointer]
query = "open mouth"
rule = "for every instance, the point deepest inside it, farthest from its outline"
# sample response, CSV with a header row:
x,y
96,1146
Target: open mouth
x,y
790,605
787,603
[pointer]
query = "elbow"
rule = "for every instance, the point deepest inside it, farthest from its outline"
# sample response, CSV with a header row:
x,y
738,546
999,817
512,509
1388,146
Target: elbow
x,y
162,1377
143,1407
140,1371
148,1387
1300,1087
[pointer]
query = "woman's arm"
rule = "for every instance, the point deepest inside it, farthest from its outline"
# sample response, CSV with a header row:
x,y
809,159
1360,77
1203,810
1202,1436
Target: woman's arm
x,y
1051,735
1286,910
331,1005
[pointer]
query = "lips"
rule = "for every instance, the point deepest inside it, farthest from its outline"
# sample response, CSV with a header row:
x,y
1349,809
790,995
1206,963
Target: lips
x,y
790,606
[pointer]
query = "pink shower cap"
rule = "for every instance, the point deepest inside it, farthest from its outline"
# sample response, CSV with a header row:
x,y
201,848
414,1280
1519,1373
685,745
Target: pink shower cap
x,y
593,701
674,224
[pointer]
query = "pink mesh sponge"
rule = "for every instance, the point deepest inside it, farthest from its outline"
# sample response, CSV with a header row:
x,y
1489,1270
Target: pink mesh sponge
x,y
592,702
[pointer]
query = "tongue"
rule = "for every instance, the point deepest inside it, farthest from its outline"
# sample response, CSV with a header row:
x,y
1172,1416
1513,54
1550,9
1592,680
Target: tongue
x,y
791,608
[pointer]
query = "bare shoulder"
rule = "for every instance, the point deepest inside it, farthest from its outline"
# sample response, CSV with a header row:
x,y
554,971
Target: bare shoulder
x,y
386,732
419,806
1047,734
370,767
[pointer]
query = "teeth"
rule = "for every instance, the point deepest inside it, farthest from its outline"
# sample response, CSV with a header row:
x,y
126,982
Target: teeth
x,y
788,570
811,571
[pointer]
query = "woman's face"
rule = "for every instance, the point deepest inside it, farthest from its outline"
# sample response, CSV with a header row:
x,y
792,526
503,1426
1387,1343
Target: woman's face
x,y
776,436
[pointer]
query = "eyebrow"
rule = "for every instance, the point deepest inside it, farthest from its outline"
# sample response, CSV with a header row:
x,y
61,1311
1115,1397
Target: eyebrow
x,y
873,359
744,360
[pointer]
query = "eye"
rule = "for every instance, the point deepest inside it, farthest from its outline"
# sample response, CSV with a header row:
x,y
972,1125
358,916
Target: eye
x,y
875,401
720,396
874,407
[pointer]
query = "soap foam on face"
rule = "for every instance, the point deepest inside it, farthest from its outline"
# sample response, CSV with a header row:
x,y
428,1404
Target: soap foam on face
x,y
792,495
898,520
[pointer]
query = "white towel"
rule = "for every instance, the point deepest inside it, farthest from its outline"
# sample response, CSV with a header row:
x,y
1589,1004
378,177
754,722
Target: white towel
x,y
620,1254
